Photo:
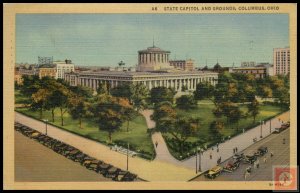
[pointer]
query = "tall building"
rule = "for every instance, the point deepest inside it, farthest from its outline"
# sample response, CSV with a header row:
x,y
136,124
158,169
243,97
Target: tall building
x,y
47,70
153,59
63,67
187,65
281,60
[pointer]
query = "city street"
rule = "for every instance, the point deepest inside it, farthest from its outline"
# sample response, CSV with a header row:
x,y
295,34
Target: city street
x,y
37,163
264,173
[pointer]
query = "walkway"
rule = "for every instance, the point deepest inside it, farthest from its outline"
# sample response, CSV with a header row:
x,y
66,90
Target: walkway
x,y
161,149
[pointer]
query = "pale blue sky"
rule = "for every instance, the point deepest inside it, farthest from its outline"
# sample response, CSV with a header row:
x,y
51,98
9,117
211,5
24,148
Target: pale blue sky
x,y
106,39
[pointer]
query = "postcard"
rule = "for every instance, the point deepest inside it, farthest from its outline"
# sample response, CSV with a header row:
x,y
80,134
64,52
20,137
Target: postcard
x,y
150,96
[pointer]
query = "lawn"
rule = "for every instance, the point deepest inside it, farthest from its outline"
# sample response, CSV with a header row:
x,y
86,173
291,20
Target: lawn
x,y
137,137
19,98
204,112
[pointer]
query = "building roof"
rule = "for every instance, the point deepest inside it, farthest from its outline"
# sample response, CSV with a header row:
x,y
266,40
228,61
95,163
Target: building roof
x,y
47,66
153,49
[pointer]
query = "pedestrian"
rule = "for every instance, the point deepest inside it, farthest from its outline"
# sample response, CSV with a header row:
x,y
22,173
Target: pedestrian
x,y
271,154
220,159
210,156
217,145
283,141
265,159
236,149
217,149
156,143
257,163
212,148
246,174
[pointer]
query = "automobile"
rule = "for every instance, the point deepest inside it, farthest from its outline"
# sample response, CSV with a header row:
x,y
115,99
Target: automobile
x,y
120,175
102,169
287,124
92,164
67,150
79,157
35,135
214,172
250,159
261,151
58,146
129,177
231,166
238,157
280,129
73,154
28,132
45,140
111,172
86,159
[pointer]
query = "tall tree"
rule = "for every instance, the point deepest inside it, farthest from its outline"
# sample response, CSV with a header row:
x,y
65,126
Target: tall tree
x,y
62,95
203,90
186,102
159,94
139,96
39,100
253,109
215,129
77,108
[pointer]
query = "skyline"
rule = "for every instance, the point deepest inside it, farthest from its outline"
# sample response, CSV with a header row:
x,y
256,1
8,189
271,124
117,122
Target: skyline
x,y
106,39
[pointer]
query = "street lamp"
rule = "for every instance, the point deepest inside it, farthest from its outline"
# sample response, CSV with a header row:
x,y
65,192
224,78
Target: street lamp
x,y
260,129
127,154
270,126
196,160
46,121
199,150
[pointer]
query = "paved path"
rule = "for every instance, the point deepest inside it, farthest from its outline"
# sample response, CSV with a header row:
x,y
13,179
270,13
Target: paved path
x,y
161,149
151,171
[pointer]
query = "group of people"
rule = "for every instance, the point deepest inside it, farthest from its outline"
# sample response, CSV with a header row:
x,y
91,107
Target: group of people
x,y
256,165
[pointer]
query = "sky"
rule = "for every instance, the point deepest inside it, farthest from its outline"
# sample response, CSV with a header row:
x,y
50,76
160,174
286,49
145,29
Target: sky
x,y
106,39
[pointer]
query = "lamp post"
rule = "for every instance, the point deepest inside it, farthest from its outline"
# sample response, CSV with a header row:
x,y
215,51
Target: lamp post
x,y
199,151
127,154
260,129
196,161
270,126
46,121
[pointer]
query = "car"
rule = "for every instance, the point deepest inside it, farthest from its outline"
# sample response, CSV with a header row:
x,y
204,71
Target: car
x,y
261,151
102,169
111,172
129,177
92,164
66,151
231,166
73,153
250,159
120,175
79,157
214,172
238,157
86,159
34,135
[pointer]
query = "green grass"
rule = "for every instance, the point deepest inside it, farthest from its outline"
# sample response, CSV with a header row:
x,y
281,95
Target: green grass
x,y
19,98
137,136
204,112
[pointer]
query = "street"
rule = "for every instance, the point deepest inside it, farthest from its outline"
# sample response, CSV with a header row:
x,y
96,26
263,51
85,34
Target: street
x,y
264,173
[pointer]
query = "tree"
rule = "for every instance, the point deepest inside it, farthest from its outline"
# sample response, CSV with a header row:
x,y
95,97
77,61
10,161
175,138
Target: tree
x,y
123,90
159,94
109,117
217,112
121,63
215,130
253,109
163,111
62,95
82,91
39,100
203,90
139,96
226,108
235,114
77,108
265,91
31,84
102,89
186,102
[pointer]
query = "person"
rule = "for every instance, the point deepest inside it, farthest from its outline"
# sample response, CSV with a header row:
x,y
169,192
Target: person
x,y
257,163
217,145
156,143
236,149
210,155
248,169
283,141
233,150
217,149
271,154
265,159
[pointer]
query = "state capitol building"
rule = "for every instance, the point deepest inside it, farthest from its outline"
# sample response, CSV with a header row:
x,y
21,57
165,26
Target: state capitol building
x,y
153,70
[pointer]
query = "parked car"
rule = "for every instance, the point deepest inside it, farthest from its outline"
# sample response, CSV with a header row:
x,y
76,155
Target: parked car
x,y
238,157
73,154
250,159
129,177
86,159
79,157
214,172
231,166
67,150
102,169
35,135
120,175
92,165
261,151
112,172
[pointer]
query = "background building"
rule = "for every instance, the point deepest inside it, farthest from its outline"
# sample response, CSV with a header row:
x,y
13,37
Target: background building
x,y
63,67
281,60
187,65
248,64
47,70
